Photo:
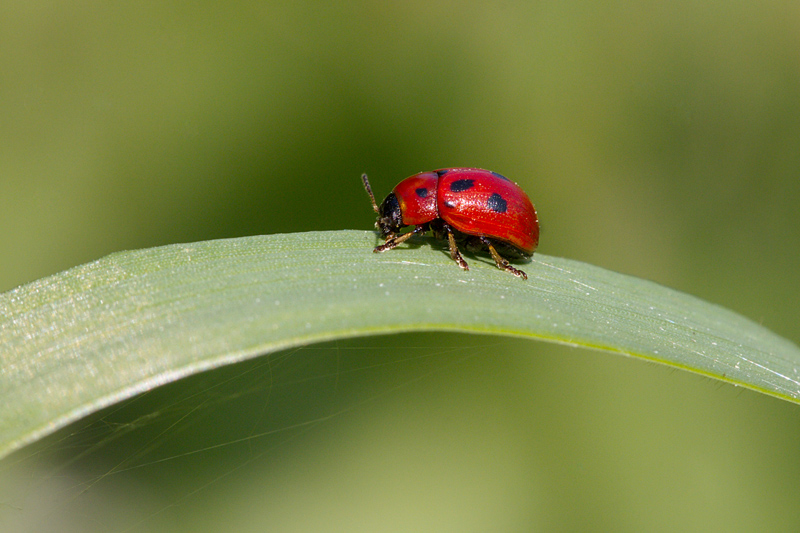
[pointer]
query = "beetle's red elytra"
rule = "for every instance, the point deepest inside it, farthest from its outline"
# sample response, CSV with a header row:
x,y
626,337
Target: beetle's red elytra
x,y
477,207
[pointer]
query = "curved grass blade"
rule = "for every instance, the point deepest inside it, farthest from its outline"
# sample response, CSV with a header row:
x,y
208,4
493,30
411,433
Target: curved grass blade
x,y
83,339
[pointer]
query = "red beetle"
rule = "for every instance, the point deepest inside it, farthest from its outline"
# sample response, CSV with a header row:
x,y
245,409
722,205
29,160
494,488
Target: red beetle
x,y
482,209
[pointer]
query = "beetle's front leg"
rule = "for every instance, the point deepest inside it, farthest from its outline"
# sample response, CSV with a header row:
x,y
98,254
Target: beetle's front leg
x,y
393,240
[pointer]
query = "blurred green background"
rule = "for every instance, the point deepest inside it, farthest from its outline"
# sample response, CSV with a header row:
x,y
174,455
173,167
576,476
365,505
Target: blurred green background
x,y
658,139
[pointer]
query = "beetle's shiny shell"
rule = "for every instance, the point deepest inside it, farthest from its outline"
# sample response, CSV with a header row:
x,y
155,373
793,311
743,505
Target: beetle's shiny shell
x,y
474,202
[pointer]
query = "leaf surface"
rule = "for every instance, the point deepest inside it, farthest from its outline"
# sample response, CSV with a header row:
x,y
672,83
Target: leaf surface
x,y
80,340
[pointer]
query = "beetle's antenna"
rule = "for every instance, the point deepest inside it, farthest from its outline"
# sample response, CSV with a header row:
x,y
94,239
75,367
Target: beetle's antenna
x,y
369,191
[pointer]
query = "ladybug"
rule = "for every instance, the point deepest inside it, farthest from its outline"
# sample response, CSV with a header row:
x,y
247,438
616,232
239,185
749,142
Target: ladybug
x,y
479,208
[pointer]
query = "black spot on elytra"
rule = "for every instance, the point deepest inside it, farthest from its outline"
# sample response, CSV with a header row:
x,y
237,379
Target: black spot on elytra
x,y
462,185
497,204
495,174
449,204
422,192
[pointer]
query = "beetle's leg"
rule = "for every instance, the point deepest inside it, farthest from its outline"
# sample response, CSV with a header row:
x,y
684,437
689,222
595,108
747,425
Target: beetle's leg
x,y
393,241
454,253
500,261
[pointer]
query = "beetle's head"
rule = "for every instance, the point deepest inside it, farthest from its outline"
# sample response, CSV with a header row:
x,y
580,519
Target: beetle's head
x,y
390,216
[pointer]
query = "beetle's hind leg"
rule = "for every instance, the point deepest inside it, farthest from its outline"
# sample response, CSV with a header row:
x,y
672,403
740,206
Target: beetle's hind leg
x,y
500,261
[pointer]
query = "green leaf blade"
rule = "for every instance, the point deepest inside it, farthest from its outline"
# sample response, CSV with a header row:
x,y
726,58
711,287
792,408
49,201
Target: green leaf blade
x,y
83,339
